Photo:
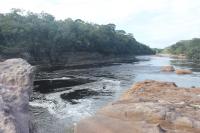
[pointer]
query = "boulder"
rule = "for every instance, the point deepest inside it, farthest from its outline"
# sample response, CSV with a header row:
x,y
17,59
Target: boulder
x,y
16,82
183,71
167,69
148,107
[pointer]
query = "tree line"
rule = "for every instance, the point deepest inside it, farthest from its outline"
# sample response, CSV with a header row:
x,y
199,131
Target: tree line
x,y
190,48
36,36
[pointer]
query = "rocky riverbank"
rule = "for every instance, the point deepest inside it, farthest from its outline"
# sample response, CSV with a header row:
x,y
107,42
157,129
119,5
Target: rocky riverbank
x,y
84,60
148,107
16,83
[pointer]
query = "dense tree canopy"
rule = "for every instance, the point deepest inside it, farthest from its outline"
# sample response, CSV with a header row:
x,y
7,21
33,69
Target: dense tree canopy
x,y
190,48
35,36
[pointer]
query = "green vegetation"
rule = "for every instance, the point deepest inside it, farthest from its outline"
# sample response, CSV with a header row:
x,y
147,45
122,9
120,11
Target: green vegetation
x,y
157,50
190,48
37,36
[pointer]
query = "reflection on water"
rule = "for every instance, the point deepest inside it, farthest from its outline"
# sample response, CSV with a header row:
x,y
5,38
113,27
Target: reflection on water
x,y
68,106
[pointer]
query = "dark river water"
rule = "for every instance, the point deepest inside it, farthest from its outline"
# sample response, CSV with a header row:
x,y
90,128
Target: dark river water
x,y
57,111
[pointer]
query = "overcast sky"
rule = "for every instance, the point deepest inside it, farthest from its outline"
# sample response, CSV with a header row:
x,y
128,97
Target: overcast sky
x,y
157,23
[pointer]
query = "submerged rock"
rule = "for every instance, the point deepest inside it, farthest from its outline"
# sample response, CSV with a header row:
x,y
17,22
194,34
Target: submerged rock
x,y
148,107
16,77
83,93
182,71
58,84
167,69
78,94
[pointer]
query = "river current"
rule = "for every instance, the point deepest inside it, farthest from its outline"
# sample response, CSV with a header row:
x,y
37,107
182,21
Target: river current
x,y
58,111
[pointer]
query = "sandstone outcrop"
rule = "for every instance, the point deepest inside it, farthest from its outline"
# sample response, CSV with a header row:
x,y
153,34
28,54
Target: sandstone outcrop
x,y
148,107
167,69
16,77
183,71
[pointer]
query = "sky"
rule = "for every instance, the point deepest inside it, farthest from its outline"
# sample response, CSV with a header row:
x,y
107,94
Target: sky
x,y
156,23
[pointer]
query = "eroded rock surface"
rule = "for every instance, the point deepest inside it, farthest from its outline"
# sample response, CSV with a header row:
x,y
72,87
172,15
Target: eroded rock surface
x,y
183,71
148,107
16,82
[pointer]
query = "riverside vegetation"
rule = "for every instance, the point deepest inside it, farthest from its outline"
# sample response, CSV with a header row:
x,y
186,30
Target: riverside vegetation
x,y
190,48
42,38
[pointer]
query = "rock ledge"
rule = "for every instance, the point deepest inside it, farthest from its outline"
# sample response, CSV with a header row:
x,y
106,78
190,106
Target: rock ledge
x,y
148,107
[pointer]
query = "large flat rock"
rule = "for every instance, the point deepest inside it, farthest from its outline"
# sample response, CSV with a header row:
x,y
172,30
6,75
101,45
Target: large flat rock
x,y
16,82
148,107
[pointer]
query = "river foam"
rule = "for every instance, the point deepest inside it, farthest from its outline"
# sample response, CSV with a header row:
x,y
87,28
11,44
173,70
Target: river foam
x,y
85,107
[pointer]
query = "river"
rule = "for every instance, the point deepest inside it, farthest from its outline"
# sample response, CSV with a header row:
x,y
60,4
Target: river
x,y
58,111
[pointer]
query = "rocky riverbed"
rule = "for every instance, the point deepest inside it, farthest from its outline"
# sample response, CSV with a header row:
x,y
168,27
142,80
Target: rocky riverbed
x,y
68,105
63,97
148,107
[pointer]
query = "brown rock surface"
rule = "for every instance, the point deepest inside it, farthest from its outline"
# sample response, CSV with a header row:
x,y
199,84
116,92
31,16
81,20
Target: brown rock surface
x,y
148,107
16,77
167,69
183,71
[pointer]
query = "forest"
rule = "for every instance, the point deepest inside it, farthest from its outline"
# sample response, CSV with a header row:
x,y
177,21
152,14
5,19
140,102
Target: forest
x,y
35,36
190,48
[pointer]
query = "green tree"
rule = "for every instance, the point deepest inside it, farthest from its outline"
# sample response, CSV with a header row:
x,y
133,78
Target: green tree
x,y
42,38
